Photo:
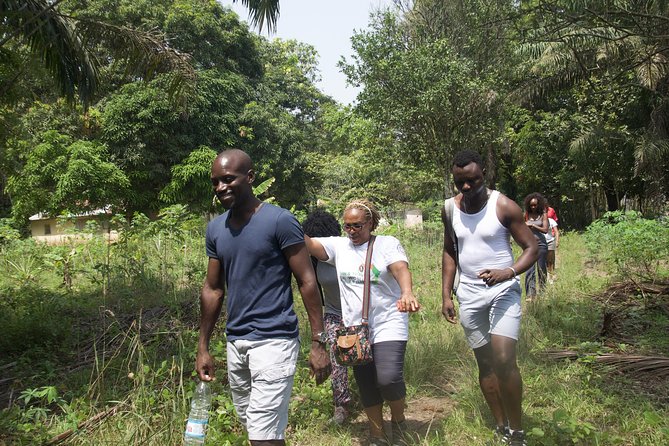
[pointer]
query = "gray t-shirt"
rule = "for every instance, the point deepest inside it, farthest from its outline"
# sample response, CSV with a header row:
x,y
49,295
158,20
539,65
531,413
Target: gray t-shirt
x,y
259,298
327,277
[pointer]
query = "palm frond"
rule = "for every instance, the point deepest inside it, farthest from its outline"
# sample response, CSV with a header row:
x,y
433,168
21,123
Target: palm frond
x,y
543,86
658,366
586,140
650,151
143,53
556,57
599,37
652,68
54,40
655,366
261,12
532,50
65,45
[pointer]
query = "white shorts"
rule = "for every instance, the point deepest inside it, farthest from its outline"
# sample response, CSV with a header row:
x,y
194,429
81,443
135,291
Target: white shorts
x,y
486,311
261,380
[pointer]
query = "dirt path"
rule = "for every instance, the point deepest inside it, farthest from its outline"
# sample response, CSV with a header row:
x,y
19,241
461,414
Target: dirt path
x,y
424,415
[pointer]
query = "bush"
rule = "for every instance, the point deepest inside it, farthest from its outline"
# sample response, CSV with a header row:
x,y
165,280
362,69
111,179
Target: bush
x,y
7,231
631,246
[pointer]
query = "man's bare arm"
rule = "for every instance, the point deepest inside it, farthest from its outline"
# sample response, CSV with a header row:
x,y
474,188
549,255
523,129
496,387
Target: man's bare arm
x,y
211,302
300,264
448,270
512,217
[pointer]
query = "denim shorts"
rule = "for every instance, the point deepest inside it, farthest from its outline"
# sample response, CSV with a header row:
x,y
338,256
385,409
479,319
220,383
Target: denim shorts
x,y
489,310
261,380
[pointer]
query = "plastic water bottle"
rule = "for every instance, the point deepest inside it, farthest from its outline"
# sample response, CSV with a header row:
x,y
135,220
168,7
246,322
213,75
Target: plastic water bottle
x,y
198,419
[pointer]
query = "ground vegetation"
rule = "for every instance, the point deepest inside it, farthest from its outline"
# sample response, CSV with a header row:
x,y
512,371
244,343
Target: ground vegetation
x,y
99,342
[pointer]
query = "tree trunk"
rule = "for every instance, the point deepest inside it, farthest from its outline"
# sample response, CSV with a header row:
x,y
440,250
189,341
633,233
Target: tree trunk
x,y
593,209
612,203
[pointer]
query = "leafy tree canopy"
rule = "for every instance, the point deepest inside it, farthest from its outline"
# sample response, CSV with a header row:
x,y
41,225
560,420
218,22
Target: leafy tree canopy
x,y
422,93
65,175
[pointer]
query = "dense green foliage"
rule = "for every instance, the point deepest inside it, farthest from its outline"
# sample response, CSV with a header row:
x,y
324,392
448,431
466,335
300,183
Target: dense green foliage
x,y
568,98
631,246
61,173
249,93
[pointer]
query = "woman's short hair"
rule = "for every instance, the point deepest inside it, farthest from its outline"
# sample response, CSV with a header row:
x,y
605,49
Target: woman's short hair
x,y
321,224
368,208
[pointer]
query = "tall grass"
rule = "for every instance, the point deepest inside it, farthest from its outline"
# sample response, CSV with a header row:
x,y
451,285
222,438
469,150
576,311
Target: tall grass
x,y
568,402
109,360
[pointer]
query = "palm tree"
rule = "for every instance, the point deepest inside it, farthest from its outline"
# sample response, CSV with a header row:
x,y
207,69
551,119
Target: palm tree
x,y
64,44
581,40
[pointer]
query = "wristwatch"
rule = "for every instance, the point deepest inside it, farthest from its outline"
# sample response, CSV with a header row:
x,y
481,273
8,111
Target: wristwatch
x,y
320,337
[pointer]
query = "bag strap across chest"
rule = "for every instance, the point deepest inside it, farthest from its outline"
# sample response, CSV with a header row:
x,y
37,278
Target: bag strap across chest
x,y
366,286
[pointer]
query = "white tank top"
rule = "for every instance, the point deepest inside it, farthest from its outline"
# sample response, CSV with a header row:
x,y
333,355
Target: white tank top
x,y
483,241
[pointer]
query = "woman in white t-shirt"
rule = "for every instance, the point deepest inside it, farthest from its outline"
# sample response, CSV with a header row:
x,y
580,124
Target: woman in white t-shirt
x,y
553,240
391,298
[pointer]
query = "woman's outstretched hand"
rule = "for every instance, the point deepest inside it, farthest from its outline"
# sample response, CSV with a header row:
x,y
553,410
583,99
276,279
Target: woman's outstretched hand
x,y
408,303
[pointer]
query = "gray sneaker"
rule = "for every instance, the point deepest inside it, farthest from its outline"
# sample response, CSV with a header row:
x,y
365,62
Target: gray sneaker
x,y
340,415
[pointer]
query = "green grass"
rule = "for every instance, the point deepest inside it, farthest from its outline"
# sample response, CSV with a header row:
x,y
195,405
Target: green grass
x,y
73,353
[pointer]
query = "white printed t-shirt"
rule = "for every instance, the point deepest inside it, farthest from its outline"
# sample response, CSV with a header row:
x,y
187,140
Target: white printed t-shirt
x,y
550,235
385,321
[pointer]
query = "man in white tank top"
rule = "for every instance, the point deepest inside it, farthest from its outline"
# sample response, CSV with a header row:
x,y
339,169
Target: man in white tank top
x,y
482,221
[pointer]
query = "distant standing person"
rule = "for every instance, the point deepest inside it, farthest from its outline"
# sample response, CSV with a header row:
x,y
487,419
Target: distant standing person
x,y
482,221
552,240
552,248
537,220
253,248
550,212
391,298
323,224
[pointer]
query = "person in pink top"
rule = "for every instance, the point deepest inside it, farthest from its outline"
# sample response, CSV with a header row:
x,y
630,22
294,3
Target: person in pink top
x,y
554,235
550,212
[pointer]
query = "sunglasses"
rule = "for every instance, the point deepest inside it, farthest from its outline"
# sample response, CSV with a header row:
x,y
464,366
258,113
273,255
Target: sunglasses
x,y
356,226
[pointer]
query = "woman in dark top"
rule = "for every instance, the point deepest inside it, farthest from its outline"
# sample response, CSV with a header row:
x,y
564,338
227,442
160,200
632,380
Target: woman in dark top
x,y
537,220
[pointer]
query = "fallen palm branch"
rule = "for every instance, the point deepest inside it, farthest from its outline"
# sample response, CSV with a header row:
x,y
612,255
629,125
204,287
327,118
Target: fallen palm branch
x,y
623,292
656,366
84,425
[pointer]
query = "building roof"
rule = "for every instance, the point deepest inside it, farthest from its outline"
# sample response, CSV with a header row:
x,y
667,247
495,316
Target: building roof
x,y
100,211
